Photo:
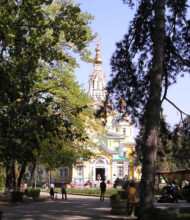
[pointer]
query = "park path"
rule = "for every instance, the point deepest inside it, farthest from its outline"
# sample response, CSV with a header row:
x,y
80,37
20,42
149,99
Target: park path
x,y
75,208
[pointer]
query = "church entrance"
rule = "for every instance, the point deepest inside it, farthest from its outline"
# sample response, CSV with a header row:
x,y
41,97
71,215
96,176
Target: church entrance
x,y
100,169
100,173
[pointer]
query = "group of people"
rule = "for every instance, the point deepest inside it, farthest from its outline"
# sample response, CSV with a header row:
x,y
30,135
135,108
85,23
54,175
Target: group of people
x,y
63,191
130,192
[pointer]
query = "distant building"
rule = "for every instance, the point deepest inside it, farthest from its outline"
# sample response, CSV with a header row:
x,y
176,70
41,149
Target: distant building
x,y
114,154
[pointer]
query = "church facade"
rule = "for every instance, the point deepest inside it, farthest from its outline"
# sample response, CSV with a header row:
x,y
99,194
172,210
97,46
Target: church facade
x,y
115,147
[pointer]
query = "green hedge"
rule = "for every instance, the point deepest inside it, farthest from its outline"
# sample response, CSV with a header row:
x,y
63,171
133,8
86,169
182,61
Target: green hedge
x,y
1,181
115,197
34,193
88,191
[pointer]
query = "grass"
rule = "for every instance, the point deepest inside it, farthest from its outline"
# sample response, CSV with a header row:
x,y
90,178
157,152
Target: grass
x,y
88,191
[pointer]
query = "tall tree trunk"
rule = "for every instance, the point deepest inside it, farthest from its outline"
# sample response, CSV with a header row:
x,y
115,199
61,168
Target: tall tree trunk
x,y
32,174
21,174
14,176
9,180
152,111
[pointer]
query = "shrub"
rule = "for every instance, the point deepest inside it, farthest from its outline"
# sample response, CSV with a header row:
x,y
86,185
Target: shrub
x,y
16,196
115,197
1,181
123,195
34,193
88,191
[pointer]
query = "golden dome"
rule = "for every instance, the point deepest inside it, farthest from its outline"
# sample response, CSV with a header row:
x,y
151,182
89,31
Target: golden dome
x,y
98,59
97,48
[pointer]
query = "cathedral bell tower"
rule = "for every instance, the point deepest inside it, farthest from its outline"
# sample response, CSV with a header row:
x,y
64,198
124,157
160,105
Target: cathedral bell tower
x,y
96,80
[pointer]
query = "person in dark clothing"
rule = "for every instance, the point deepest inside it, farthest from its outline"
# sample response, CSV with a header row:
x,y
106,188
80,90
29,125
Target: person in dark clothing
x,y
174,191
103,189
52,191
63,191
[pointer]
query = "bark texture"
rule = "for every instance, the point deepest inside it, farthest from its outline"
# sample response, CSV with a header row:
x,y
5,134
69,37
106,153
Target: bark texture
x,y
152,111
20,177
32,174
10,176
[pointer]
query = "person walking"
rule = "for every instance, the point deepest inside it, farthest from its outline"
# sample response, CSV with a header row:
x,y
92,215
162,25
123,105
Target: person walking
x,y
174,191
103,190
131,199
63,191
52,191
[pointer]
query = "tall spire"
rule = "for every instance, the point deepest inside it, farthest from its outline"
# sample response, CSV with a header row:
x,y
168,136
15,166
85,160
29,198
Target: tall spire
x,y
97,79
97,59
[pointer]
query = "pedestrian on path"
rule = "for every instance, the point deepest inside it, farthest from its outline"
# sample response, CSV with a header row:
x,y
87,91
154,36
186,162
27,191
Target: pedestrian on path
x,y
103,189
52,191
63,191
174,191
131,199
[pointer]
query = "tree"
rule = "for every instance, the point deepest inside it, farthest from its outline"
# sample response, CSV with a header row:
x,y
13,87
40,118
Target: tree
x,y
153,53
181,142
40,100
165,148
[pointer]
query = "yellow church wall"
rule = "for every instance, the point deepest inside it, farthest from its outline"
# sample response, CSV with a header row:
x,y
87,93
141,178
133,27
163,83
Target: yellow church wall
x,y
129,151
103,153
131,173
138,173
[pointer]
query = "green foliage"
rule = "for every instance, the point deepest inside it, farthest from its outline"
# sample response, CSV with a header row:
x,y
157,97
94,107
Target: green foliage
x,y
115,197
149,58
88,191
1,180
181,139
33,193
133,58
42,107
172,152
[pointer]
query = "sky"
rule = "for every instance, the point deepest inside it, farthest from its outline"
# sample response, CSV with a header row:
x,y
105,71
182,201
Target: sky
x,y
111,22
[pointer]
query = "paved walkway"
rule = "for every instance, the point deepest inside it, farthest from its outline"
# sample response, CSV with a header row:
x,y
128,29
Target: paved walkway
x,y
75,208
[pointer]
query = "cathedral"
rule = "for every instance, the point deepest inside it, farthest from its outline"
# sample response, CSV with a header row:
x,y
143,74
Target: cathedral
x,y
115,147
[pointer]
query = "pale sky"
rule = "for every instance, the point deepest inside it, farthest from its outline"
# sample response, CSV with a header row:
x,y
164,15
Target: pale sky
x,y
111,21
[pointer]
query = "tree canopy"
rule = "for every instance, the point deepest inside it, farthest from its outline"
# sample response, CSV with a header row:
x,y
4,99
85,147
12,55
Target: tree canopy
x,y
173,145
42,107
146,62
132,60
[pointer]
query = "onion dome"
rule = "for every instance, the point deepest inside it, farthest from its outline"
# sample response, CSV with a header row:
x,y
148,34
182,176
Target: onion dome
x,y
97,59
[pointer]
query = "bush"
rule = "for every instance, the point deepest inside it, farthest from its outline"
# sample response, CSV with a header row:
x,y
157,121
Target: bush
x,y
1,181
17,196
123,195
88,191
34,193
115,197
